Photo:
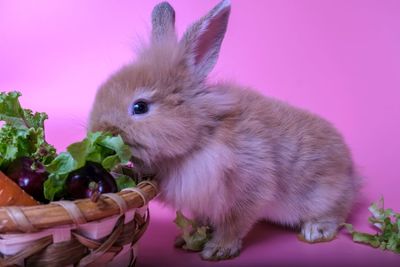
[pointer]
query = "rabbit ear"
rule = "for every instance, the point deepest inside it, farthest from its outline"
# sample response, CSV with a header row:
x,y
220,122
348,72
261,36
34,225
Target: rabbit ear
x,y
202,41
163,22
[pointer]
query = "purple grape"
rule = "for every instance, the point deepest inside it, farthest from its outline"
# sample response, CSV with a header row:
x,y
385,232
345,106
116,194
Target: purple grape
x,y
30,175
88,180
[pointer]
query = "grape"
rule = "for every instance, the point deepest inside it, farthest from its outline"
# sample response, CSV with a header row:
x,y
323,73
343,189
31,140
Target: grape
x,y
88,180
30,175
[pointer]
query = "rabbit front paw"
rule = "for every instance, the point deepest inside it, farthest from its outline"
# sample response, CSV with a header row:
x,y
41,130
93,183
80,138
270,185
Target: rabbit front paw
x,y
215,251
313,232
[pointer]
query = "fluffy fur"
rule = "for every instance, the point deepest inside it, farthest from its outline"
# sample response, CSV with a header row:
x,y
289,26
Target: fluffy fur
x,y
227,154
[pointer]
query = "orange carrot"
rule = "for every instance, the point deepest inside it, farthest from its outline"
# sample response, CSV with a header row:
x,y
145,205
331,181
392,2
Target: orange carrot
x,y
12,195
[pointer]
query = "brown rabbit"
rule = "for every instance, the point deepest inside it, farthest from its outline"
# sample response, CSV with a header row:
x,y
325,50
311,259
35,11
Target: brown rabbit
x,y
227,154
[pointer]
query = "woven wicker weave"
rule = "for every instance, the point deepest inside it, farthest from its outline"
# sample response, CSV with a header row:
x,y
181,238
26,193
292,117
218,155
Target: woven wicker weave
x,y
71,233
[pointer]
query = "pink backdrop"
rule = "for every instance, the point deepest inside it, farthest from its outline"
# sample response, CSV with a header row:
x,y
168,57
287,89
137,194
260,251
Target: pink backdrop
x,y
338,58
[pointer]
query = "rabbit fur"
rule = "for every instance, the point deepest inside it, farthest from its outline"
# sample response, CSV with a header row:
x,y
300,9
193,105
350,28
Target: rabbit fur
x,y
227,154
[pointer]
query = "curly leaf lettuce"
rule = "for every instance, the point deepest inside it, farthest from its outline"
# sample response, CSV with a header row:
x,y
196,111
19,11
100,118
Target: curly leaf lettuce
x,y
99,147
22,133
387,223
195,236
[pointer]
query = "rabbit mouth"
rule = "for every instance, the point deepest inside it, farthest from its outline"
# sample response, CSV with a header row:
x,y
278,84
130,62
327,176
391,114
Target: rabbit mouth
x,y
137,158
142,167
137,161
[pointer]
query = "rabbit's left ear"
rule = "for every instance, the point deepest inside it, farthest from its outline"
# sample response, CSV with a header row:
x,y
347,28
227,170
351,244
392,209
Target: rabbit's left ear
x,y
163,23
202,41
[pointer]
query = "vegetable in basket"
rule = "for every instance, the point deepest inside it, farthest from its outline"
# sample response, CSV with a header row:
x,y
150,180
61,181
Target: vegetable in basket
x,y
89,180
30,175
33,164
23,151
11,194
22,135
100,149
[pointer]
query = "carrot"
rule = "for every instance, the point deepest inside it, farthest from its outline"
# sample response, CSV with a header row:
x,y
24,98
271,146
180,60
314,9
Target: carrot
x,y
12,195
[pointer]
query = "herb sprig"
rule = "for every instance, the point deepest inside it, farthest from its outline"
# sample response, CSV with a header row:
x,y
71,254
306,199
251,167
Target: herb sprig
x,y
387,223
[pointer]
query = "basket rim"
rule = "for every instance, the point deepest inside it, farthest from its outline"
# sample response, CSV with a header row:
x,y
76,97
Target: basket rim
x,y
51,215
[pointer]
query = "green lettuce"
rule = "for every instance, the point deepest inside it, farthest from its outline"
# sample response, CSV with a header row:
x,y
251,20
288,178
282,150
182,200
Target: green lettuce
x,y
387,223
97,147
124,181
22,134
125,176
194,235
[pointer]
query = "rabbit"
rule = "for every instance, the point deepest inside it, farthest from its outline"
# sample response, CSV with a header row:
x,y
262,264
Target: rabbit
x,y
228,154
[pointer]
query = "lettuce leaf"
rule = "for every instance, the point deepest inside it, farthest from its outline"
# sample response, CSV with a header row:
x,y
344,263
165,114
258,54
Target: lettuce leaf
x,y
22,133
98,147
124,181
195,236
387,223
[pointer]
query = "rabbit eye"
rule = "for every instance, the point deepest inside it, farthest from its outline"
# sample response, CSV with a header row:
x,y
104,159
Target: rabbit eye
x,y
140,107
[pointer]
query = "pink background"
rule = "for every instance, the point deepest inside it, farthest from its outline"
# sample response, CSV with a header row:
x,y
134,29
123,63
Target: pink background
x,y
340,59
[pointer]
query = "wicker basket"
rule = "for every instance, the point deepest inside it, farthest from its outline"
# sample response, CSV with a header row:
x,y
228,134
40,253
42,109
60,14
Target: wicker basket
x,y
77,233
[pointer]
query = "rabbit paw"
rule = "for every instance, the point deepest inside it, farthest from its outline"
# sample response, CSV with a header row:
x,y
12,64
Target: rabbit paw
x,y
215,251
313,232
